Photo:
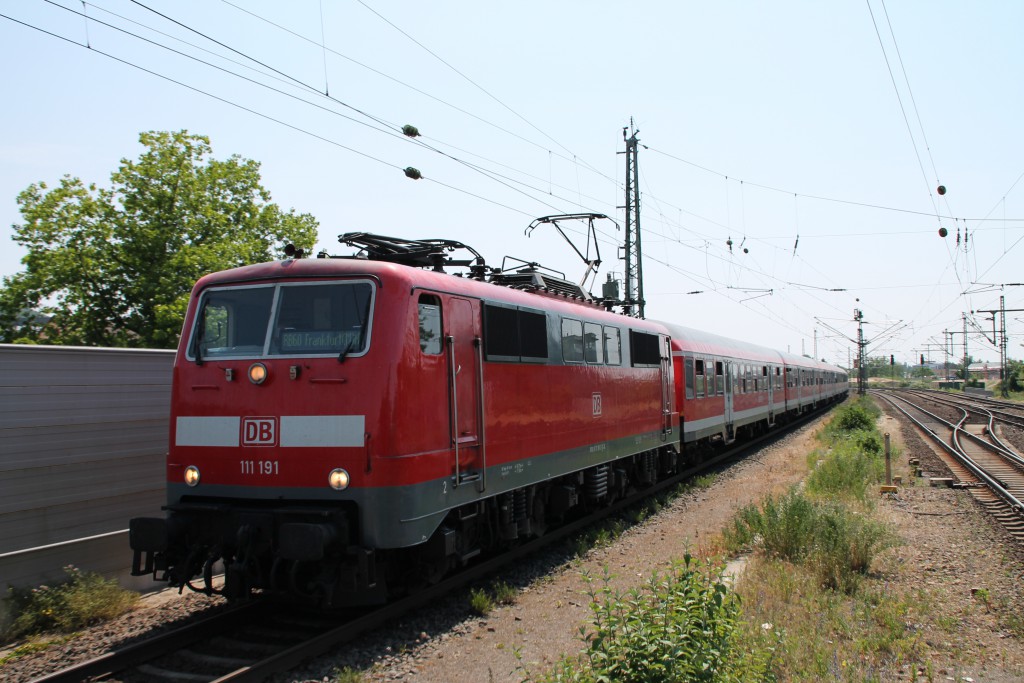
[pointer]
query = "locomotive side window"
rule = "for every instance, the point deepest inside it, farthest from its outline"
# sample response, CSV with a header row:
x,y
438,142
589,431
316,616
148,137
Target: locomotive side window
x,y
612,346
592,343
429,314
533,335
572,341
644,348
514,334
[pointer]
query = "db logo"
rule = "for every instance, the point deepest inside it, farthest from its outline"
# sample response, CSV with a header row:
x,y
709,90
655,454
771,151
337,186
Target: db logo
x,y
259,431
596,401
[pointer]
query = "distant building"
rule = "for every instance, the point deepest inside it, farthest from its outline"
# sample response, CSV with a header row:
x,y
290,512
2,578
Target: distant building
x,y
984,370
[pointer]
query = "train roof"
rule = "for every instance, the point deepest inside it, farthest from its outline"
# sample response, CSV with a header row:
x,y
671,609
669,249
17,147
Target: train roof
x,y
699,341
517,292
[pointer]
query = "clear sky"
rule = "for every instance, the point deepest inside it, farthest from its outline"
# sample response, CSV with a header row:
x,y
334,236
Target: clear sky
x,y
760,122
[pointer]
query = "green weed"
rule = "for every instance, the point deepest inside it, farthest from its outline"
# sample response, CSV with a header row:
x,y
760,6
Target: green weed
x,y
83,599
682,625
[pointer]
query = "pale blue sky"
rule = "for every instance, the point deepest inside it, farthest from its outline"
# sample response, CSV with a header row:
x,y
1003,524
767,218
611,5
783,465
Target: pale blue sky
x,y
731,98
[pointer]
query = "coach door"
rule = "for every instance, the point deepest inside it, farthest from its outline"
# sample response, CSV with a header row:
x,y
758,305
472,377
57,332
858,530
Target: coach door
x,y
729,386
465,390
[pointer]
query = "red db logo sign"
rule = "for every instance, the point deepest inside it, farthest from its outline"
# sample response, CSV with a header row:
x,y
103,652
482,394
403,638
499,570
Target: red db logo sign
x,y
259,431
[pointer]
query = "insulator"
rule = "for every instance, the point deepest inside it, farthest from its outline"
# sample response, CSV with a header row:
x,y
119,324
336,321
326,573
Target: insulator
x,y
410,131
413,173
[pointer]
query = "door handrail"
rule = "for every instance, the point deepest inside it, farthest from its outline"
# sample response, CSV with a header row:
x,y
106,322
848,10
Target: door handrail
x,y
454,412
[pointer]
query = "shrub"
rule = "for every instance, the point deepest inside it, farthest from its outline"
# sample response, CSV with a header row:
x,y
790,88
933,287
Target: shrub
x,y
83,599
836,542
683,625
860,414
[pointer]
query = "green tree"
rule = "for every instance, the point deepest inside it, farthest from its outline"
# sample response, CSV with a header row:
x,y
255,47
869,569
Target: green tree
x,y
114,266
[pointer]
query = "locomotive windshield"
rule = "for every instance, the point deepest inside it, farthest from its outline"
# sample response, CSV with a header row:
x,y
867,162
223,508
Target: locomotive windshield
x,y
297,319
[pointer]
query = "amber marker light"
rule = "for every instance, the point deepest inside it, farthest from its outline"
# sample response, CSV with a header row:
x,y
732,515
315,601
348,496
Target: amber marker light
x,y
192,475
257,373
338,479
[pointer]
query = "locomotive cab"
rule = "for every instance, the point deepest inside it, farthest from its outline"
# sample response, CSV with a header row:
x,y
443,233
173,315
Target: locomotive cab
x,y
273,388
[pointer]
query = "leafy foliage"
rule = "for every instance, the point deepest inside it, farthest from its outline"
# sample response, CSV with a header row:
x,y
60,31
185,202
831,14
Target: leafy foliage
x,y
114,266
682,625
857,415
85,598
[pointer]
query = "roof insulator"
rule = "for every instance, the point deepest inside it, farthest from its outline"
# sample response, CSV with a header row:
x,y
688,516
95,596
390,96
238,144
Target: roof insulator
x,y
413,173
410,131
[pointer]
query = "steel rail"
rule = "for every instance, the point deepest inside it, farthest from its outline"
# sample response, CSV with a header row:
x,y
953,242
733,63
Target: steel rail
x,y
150,648
957,453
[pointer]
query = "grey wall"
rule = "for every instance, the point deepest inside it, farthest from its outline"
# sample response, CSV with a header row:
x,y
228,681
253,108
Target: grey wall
x,y
83,434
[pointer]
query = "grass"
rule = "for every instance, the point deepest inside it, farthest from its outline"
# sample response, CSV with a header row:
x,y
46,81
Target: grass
x,y
483,601
82,599
33,647
832,540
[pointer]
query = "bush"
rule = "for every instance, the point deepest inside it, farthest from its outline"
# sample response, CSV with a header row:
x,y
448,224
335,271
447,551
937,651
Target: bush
x,y
836,542
83,599
683,625
858,415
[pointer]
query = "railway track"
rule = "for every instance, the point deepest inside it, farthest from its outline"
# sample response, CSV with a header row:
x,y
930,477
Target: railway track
x,y
253,641
1006,412
978,459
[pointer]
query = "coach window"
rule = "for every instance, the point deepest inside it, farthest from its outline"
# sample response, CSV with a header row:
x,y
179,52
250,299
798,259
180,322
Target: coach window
x,y
710,372
430,324
719,378
612,346
699,371
572,341
592,343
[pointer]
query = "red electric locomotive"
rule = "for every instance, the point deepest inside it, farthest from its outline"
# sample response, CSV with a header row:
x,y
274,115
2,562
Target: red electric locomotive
x,y
345,427
342,426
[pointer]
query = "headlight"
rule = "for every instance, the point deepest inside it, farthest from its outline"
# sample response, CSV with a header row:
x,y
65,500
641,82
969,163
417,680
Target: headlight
x,y
338,479
257,373
191,475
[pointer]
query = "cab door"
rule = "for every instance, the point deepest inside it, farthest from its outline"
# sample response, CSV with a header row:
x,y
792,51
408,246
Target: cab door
x,y
464,349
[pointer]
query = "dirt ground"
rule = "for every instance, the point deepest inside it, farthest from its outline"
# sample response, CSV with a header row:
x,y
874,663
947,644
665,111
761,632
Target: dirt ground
x,y
950,551
543,623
